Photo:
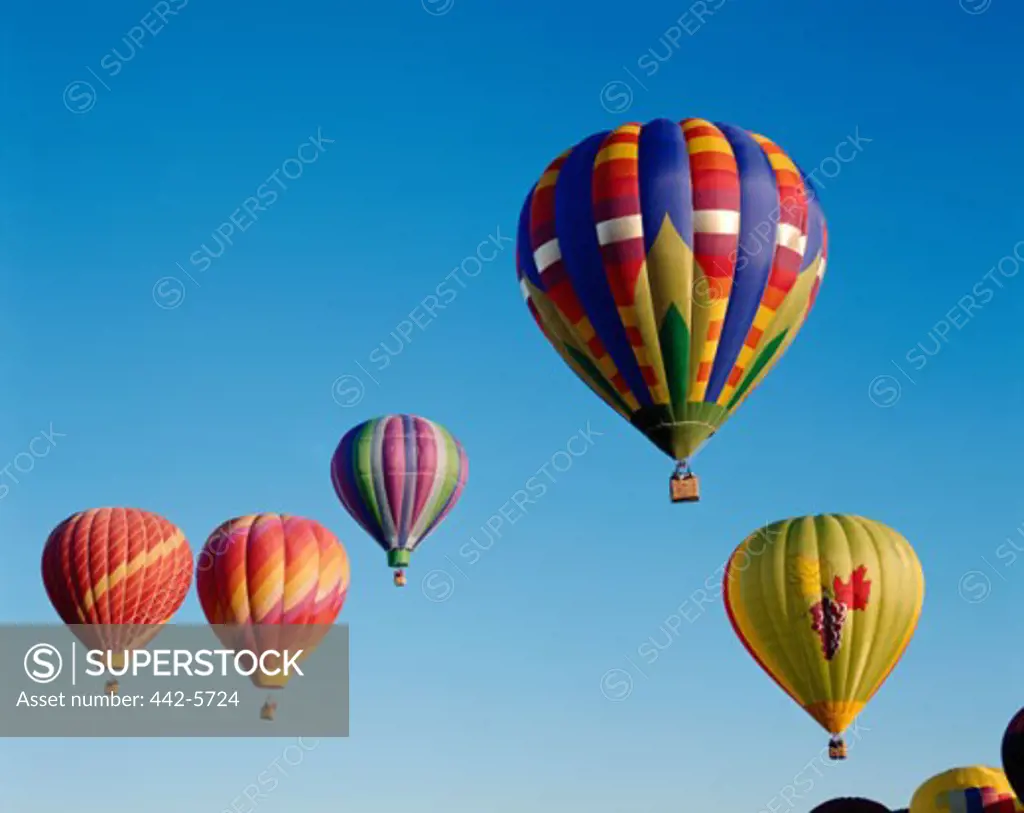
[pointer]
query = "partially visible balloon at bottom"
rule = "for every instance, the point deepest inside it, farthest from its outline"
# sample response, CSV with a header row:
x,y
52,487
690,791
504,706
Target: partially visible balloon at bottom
x,y
970,789
1013,753
851,804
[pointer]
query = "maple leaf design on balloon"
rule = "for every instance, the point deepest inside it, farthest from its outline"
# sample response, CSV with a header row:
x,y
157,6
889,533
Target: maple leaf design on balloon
x,y
828,616
855,592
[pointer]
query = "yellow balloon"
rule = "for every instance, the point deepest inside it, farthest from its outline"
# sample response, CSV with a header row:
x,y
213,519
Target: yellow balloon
x,y
965,790
826,605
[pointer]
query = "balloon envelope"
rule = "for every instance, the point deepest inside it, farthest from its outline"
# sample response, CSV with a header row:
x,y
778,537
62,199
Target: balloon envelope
x,y
119,572
272,582
671,265
851,804
970,789
1013,753
399,476
826,605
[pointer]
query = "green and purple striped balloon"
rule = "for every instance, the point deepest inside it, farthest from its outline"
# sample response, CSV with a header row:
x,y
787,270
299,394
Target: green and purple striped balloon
x,y
399,476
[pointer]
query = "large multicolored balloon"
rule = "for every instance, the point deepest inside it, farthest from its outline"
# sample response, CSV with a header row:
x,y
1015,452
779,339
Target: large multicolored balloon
x,y
399,476
272,582
1013,753
851,804
671,265
826,605
973,789
115,575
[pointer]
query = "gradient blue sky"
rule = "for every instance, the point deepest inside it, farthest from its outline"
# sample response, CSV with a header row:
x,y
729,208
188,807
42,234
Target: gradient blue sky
x,y
491,700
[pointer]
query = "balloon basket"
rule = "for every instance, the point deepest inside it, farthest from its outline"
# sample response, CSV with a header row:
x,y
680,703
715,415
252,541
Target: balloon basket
x,y
268,711
836,749
399,578
112,687
684,488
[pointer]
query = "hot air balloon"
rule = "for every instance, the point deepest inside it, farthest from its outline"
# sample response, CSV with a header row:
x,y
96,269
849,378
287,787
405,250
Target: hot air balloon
x,y
1013,753
399,476
973,789
272,582
115,576
826,605
671,265
851,804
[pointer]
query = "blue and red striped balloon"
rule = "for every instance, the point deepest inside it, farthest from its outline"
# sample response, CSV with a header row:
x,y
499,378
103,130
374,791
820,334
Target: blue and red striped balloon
x,y
671,265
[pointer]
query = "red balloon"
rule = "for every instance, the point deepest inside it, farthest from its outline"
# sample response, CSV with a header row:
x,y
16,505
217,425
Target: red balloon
x,y
116,575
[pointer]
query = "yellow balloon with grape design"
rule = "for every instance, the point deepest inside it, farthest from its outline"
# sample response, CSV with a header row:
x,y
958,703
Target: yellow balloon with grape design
x,y
826,605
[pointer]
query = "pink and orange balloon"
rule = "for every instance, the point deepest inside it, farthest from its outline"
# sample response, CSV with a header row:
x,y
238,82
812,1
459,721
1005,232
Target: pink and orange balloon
x,y
272,582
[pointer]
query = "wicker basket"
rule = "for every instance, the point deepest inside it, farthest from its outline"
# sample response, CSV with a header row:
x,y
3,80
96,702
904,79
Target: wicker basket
x,y
684,489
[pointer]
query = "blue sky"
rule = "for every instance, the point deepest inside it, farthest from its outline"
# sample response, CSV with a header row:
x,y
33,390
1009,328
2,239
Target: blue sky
x,y
440,117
